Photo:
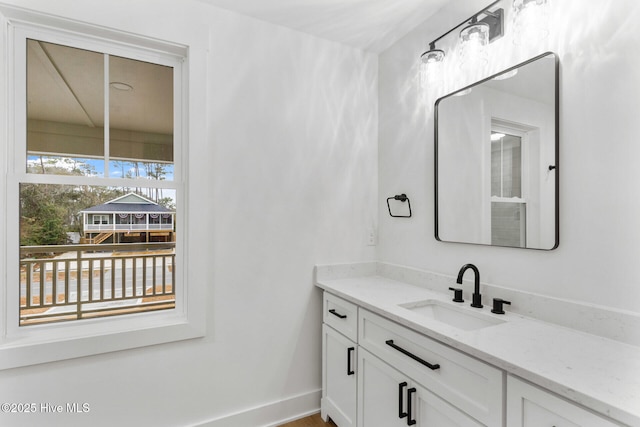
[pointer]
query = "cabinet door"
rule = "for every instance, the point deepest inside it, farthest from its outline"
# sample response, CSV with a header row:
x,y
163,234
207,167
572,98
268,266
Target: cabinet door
x,y
530,406
430,410
381,393
339,378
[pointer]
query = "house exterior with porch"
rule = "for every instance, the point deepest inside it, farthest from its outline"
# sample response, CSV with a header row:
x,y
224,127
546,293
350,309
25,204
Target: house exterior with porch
x,y
128,219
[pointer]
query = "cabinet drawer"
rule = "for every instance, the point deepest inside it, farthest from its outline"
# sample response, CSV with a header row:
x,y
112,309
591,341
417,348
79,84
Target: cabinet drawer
x,y
341,315
530,406
469,384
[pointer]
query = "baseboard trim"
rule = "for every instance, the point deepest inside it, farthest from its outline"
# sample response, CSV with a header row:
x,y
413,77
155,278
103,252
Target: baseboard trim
x,y
271,414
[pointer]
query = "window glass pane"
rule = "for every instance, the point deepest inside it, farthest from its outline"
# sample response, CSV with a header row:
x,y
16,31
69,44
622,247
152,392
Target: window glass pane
x,y
508,222
135,169
89,251
140,119
58,165
496,168
506,166
511,166
65,105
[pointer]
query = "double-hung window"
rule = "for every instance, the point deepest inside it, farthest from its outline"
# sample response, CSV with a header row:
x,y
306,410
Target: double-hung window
x,y
509,186
94,187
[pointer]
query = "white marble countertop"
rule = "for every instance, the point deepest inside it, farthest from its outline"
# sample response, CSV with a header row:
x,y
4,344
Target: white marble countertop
x,y
598,373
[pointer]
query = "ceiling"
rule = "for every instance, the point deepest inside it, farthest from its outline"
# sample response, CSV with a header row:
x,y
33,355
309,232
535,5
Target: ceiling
x,y
66,85
372,25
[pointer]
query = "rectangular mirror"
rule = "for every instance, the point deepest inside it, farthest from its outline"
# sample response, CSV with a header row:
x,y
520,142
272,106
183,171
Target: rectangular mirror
x,y
496,159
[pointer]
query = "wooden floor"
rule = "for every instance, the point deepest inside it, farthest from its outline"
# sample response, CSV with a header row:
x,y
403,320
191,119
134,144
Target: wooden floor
x,y
312,421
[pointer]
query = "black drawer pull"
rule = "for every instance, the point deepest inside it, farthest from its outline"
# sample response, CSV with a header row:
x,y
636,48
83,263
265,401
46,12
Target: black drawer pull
x,y
413,356
333,311
410,420
401,387
350,370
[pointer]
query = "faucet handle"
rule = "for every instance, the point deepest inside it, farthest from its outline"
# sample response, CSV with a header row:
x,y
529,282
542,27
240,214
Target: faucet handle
x,y
497,305
457,294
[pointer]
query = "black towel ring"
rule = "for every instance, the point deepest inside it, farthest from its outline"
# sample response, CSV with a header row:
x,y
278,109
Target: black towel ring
x,y
403,198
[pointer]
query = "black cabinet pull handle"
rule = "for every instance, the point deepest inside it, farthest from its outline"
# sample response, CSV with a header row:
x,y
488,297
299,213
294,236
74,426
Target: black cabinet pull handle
x,y
350,370
410,420
401,413
413,356
333,311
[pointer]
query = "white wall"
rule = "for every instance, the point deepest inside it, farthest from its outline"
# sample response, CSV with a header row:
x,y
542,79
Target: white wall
x,y
286,177
597,259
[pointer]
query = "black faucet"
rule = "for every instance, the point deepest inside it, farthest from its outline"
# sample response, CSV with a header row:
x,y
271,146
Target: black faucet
x,y
477,298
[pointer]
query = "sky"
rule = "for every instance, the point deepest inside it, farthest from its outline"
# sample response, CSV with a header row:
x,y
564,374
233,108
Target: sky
x,y
95,167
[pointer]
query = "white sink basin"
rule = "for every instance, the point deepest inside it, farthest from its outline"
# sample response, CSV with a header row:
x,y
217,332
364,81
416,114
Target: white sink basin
x,y
457,316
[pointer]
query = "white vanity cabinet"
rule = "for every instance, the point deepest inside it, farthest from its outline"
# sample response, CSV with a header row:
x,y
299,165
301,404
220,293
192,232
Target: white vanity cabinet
x,y
530,406
339,361
380,373
411,367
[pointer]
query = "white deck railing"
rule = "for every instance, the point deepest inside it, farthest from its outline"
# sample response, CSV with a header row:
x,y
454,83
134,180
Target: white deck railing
x,y
83,281
127,227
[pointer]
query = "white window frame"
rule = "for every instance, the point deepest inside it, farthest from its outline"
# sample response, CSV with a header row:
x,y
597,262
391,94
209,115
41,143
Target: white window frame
x,y
23,346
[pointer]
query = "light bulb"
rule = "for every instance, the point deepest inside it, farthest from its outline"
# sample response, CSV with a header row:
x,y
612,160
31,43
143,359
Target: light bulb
x,y
530,21
473,41
431,68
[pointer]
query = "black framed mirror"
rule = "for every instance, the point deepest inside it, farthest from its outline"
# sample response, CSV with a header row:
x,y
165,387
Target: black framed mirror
x,y
497,159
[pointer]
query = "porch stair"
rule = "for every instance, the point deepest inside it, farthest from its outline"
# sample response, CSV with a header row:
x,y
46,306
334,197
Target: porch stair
x,y
101,238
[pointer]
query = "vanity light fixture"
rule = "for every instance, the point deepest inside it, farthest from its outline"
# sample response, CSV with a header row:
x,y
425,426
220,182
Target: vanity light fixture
x,y
432,61
432,55
474,39
530,21
483,28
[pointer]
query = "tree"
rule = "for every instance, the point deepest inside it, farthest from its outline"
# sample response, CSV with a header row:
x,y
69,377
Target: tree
x,y
168,203
49,211
51,229
42,221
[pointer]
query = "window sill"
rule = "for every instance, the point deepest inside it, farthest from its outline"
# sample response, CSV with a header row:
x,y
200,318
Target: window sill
x,y
53,343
